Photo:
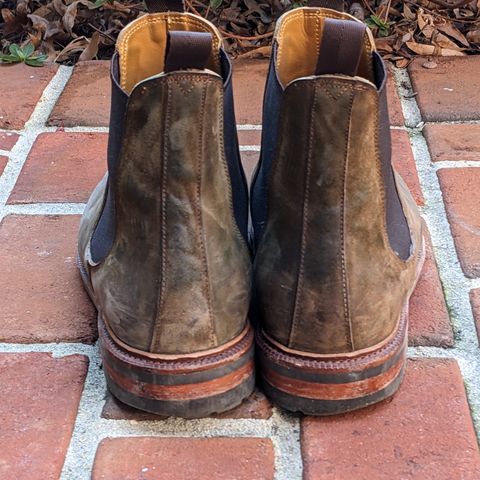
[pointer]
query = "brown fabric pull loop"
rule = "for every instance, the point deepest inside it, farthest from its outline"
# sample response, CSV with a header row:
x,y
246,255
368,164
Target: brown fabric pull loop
x,y
165,5
332,4
188,50
341,47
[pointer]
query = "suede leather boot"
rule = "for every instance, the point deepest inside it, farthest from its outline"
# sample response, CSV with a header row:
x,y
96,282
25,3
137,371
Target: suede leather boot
x,y
163,241
338,237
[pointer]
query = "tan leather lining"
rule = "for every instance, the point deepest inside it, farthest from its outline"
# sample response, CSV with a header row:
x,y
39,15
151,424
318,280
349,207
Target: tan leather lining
x,y
299,35
142,45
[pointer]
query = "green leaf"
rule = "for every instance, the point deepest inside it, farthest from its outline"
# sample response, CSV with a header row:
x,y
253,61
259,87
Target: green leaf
x,y
28,50
9,58
376,22
216,3
16,51
34,62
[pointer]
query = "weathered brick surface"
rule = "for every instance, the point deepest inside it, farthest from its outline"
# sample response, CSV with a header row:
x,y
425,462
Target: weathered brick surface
x,y
249,77
425,432
429,322
42,296
394,104
256,406
7,140
404,163
62,167
86,98
184,459
3,163
475,302
22,87
447,93
249,161
249,137
462,196
453,141
38,406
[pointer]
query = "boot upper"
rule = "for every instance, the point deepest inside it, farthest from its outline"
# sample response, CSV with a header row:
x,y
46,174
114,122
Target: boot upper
x,y
338,236
163,236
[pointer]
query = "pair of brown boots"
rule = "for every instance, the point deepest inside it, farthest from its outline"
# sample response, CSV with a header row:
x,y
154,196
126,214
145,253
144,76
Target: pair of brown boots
x,y
322,253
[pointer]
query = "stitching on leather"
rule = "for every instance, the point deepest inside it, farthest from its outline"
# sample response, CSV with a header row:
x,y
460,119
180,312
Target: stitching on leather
x,y
163,282
154,20
223,160
346,306
297,306
200,229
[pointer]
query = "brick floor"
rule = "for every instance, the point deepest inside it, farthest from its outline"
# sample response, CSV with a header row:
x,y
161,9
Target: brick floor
x,y
42,295
38,406
453,142
7,140
184,459
22,87
425,432
404,163
86,98
429,322
256,406
446,93
56,172
462,196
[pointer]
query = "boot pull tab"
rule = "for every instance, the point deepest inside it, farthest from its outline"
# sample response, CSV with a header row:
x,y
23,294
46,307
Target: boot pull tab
x,y
154,6
188,50
331,4
341,47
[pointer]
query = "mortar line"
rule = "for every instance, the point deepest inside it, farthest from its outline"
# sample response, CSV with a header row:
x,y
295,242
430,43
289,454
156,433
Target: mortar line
x,y
456,164
456,286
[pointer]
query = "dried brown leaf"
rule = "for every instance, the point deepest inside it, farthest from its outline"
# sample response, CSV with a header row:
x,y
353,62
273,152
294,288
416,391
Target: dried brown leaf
x,y
92,49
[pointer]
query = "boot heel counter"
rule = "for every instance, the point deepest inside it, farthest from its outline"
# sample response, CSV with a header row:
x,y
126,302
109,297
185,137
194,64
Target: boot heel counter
x,y
170,195
327,192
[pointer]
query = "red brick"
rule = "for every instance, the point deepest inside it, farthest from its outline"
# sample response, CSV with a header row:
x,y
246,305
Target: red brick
x,y
425,432
42,296
62,167
447,92
7,140
22,87
429,323
404,163
3,163
184,459
475,301
394,104
249,77
249,162
38,405
249,137
462,196
86,98
256,406
453,141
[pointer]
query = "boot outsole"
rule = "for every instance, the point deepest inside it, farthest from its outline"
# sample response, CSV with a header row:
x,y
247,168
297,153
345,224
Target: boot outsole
x,y
329,386
181,387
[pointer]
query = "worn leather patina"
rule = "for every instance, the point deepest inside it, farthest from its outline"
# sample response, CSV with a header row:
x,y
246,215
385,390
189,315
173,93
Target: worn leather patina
x,y
177,278
326,276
